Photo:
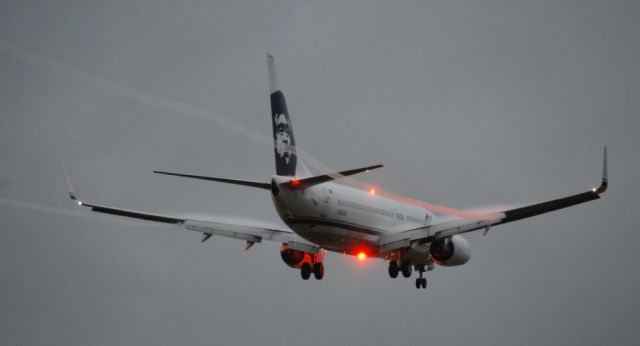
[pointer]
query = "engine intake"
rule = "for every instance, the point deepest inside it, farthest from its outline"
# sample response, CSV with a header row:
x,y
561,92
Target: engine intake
x,y
292,257
295,258
450,251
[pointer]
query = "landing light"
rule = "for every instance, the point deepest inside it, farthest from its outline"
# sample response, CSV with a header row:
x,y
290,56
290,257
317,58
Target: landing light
x,y
372,191
362,256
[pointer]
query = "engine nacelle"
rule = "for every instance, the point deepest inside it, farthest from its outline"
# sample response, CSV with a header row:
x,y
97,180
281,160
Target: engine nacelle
x,y
451,251
295,258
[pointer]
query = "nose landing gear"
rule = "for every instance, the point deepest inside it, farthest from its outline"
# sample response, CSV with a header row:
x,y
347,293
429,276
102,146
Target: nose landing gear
x,y
420,281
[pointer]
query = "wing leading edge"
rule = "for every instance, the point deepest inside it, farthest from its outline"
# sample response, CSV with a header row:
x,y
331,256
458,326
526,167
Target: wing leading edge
x,y
439,231
295,184
251,234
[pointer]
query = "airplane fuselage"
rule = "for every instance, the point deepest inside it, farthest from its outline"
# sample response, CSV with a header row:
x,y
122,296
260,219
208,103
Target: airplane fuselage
x,y
345,219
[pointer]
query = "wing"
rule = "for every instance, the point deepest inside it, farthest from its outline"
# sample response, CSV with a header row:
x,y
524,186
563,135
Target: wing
x,y
295,184
443,230
251,234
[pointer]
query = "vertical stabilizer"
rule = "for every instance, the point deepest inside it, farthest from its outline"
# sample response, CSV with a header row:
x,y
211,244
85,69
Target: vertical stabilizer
x,y
284,142
273,79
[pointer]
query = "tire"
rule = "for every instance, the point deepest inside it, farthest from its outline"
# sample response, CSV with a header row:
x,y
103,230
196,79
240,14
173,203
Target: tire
x,y
394,269
424,283
305,271
418,283
318,270
405,267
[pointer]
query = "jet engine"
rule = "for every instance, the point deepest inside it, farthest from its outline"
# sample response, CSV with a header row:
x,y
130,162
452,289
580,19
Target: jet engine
x,y
295,258
450,251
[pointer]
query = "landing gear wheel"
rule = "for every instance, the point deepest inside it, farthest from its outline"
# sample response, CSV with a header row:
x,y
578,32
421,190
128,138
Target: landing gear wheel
x,y
405,267
394,269
418,283
424,283
318,270
305,271
421,283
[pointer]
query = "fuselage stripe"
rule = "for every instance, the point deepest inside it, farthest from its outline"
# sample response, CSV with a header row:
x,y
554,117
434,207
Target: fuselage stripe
x,y
333,223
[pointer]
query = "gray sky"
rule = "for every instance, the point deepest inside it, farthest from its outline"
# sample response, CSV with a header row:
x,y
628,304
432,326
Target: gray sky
x,y
466,103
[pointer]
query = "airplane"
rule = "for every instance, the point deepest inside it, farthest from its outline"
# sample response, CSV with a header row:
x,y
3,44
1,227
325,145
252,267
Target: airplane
x,y
324,214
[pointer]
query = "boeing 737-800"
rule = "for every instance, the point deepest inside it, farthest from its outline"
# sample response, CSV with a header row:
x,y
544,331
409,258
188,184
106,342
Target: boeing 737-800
x,y
325,215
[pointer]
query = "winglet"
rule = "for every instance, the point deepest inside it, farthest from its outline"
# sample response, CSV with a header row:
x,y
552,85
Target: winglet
x,y
72,194
605,179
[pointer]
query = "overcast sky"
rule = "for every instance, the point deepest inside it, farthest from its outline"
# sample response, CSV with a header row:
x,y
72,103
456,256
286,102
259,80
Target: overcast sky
x,y
466,103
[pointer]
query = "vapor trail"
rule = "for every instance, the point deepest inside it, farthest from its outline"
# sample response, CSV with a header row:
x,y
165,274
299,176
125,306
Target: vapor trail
x,y
58,66
14,203
179,107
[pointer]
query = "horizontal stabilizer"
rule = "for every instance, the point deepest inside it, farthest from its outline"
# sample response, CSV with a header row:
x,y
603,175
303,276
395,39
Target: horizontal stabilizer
x,y
254,184
301,184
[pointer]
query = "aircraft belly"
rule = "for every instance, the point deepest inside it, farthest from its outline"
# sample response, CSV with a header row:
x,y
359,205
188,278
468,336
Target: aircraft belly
x,y
336,238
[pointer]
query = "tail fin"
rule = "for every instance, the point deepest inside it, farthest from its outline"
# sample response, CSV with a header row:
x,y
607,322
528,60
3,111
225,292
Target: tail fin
x,y
284,142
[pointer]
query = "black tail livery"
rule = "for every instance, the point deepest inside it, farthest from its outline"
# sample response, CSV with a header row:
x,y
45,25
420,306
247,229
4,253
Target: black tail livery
x,y
284,144
284,150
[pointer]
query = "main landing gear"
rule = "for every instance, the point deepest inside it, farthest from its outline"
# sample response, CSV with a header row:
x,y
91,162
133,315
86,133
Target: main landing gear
x,y
405,267
395,268
307,269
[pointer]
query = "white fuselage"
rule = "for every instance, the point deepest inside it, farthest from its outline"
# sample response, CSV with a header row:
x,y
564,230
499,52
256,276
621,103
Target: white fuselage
x,y
345,219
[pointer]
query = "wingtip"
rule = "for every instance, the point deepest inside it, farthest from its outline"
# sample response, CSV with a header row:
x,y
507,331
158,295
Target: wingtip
x,y
67,180
70,191
605,175
164,172
604,165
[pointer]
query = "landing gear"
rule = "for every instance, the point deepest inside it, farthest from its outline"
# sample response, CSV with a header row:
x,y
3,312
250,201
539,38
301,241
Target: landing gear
x,y
305,271
394,269
405,267
397,266
420,281
318,270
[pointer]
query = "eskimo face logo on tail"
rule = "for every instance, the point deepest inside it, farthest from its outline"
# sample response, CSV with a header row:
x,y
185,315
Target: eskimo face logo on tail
x,y
285,149
283,138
